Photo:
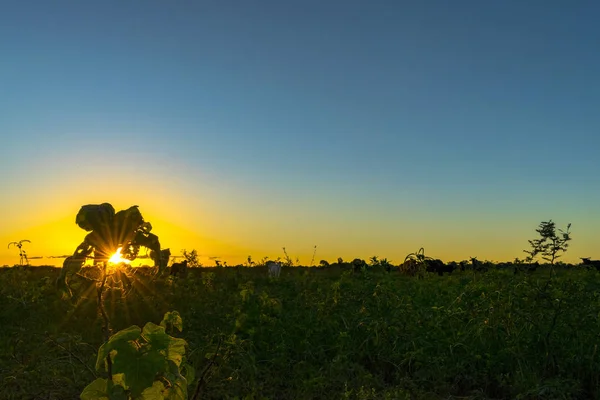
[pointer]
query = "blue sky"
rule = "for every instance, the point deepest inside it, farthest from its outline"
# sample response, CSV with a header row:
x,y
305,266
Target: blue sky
x,y
361,127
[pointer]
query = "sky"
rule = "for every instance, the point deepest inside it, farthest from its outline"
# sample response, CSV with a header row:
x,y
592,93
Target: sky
x,y
365,128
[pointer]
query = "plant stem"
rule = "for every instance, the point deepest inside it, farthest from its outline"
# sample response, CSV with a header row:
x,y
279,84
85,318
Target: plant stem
x,y
106,325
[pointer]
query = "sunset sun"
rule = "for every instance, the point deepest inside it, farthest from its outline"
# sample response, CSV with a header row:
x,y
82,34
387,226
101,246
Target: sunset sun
x,y
117,258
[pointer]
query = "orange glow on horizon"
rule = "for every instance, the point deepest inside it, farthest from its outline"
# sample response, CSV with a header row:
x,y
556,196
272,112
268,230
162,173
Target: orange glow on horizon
x,y
229,233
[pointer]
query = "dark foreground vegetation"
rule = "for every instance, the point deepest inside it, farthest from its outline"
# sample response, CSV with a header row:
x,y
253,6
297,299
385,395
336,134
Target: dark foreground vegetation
x,y
330,332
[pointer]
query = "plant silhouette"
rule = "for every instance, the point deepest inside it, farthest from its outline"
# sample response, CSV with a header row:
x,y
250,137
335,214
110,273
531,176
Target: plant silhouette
x,y
22,253
109,231
415,263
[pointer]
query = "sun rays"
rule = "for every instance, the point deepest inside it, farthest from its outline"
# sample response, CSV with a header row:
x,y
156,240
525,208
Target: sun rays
x,y
128,292
117,258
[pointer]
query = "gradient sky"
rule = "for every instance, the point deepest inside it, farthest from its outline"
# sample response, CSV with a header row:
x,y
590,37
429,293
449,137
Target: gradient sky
x,y
362,127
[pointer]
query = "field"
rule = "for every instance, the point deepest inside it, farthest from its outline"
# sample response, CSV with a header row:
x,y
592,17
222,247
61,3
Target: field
x,y
317,333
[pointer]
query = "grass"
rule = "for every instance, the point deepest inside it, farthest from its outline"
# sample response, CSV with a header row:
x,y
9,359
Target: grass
x,y
322,333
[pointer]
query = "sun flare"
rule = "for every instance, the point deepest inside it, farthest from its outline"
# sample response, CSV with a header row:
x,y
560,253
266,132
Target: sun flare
x,y
117,258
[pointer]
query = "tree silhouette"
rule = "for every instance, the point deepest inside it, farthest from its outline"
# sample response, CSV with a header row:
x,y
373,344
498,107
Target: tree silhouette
x,y
549,244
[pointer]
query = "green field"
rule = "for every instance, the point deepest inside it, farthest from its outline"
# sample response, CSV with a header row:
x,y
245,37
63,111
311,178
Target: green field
x,y
318,333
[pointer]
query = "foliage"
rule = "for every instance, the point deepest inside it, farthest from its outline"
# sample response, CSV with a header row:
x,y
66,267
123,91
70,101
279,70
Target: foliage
x,y
549,244
263,261
249,262
320,333
146,364
415,263
381,263
287,260
192,258
312,260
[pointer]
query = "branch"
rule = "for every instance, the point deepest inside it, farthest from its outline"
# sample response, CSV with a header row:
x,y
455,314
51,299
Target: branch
x,y
201,380
71,353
